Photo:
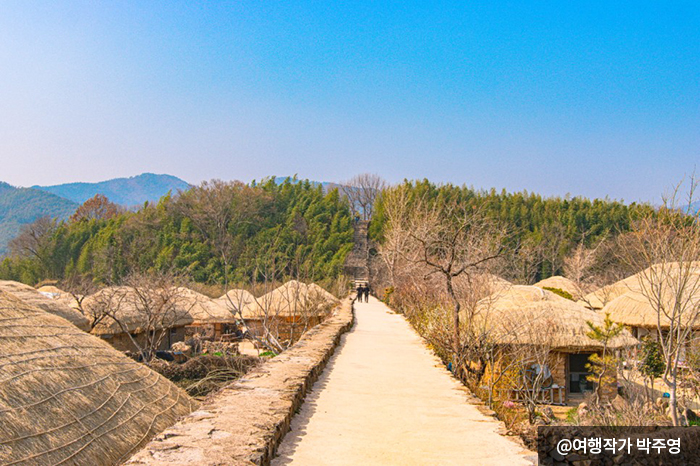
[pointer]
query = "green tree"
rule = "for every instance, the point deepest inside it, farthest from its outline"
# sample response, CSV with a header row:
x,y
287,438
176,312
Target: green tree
x,y
652,363
603,366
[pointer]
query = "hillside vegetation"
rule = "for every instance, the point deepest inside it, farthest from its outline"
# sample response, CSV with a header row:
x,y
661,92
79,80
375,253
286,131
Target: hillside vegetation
x,y
19,206
541,231
214,233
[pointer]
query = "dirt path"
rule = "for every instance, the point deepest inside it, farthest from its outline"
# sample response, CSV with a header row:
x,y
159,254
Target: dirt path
x,y
384,398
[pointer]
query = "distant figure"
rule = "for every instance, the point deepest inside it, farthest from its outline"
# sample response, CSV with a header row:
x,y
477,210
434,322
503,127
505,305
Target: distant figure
x,y
360,292
366,290
357,219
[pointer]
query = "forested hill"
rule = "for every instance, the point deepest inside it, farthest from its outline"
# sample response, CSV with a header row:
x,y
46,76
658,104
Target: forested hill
x,y
19,206
127,192
214,232
275,229
543,231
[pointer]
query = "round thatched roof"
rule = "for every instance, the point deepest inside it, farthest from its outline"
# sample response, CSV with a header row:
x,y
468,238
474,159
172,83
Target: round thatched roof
x,y
202,308
637,282
124,302
68,397
635,310
235,298
53,306
50,289
561,283
531,315
291,299
63,297
600,297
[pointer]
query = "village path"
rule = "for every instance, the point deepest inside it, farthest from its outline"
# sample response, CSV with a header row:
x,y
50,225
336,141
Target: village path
x,y
385,399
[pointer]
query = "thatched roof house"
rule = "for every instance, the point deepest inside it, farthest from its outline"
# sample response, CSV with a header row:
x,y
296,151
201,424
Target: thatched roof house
x,y
57,307
529,317
289,310
636,283
66,397
599,298
560,283
125,303
63,297
50,289
524,314
235,298
211,319
202,308
289,300
635,310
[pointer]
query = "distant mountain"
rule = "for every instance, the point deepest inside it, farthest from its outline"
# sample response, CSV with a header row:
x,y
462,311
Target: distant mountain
x,y
127,192
19,206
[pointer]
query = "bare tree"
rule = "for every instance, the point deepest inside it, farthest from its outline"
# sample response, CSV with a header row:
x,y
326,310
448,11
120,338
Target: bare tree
x,y
34,240
216,208
665,246
80,287
553,245
450,239
145,307
526,261
396,234
362,191
586,268
530,351
96,208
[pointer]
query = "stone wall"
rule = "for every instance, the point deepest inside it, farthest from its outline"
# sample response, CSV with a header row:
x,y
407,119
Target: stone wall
x,y
245,422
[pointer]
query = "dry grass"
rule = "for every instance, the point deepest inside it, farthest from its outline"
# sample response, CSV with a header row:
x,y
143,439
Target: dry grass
x,y
205,374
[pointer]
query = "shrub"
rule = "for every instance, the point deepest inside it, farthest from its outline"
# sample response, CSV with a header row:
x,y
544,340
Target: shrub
x,y
202,375
560,292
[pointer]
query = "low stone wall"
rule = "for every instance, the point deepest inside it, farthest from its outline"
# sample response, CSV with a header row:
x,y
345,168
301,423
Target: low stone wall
x,y
245,422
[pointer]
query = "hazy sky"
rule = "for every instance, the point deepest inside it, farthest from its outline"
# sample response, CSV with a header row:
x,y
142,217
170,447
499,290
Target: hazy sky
x,y
588,98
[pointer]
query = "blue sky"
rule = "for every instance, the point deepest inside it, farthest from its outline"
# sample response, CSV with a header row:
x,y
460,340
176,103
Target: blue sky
x,y
587,98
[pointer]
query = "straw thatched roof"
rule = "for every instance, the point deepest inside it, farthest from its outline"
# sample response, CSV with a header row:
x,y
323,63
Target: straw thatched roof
x,y
50,289
66,397
561,283
531,315
63,297
203,309
600,297
294,298
124,302
635,283
57,307
636,310
236,298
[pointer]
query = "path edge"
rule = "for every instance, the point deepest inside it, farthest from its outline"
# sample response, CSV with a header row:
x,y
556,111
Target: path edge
x,y
245,422
470,397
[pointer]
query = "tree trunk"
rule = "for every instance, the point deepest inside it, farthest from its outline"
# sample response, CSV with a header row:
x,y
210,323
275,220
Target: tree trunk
x,y
673,406
455,317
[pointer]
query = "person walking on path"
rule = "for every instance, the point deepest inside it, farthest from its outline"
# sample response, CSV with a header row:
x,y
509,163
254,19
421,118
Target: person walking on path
x,y
366,292
360,292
